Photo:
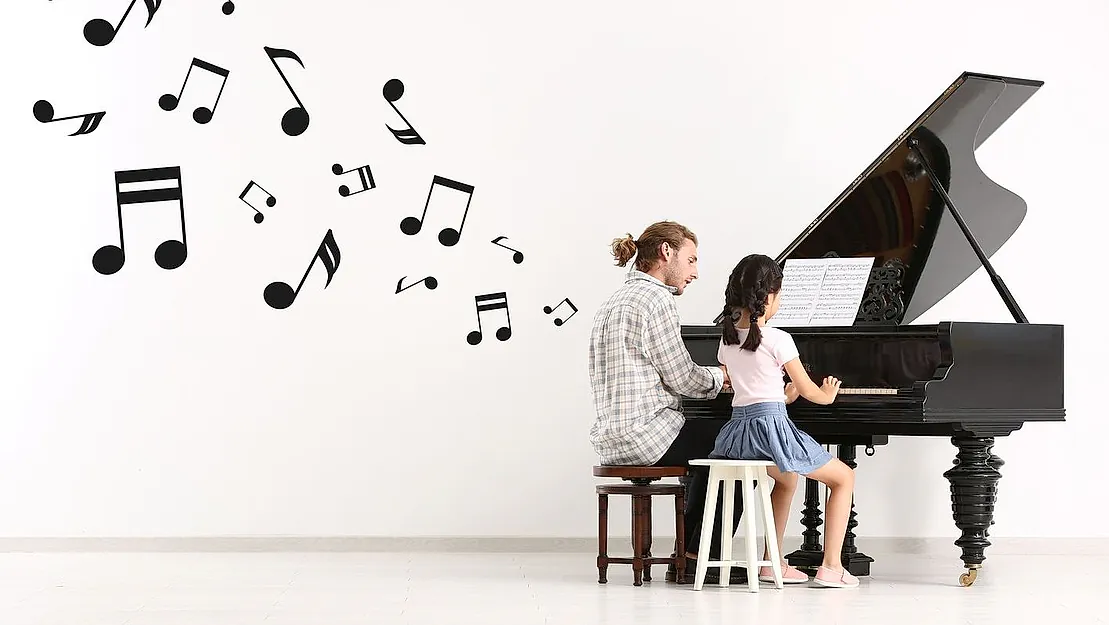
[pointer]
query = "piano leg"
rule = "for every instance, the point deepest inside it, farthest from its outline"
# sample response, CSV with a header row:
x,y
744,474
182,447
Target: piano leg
x,y
973,480
858,564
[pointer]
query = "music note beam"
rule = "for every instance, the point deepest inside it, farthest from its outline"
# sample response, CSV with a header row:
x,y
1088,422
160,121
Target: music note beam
x,y
132,187
280,295
44,112
392,91
295,120
100,32
484,303
364,173
558,320
271,201
517,258
430,282
447,236
201,115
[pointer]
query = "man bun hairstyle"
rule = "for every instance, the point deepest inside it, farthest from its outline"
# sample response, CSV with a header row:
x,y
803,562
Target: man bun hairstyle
x,y
647,249
752,281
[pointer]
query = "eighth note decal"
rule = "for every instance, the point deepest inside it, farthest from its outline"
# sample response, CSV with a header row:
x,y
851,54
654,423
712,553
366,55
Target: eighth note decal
x,y
44,112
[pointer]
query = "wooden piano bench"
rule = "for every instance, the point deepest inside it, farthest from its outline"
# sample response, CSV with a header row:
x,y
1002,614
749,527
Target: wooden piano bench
x,y
641,488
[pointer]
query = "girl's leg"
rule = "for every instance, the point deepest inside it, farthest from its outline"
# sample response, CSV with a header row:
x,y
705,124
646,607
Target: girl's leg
x,y
781,496
840,480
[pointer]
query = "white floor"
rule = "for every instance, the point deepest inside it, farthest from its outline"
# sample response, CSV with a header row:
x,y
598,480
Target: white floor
x,y
518,589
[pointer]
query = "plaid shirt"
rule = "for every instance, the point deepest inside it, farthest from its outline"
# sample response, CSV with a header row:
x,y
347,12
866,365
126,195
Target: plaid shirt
x,y
639,369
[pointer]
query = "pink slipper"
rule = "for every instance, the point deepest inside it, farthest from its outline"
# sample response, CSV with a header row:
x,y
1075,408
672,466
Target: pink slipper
x,y
835,579
790,575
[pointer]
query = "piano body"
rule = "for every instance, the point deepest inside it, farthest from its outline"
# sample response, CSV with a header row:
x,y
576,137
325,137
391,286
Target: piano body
x,y
930,217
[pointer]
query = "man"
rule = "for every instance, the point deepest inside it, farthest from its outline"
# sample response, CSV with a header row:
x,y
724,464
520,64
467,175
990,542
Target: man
x,y
639,369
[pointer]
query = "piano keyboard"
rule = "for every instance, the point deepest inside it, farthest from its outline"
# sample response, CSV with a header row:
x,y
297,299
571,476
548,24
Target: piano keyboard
x,y
847,390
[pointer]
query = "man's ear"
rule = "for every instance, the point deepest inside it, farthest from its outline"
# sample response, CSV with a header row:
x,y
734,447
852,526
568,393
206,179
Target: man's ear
x,y
666,251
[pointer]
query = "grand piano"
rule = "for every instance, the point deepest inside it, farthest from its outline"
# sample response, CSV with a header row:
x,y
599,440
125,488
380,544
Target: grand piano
x,y
930,218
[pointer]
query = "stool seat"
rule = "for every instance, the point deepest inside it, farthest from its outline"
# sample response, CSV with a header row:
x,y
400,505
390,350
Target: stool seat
x,y
637,472
725,462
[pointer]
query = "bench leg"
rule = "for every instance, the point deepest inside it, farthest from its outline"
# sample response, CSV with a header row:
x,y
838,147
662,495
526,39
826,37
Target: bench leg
x,y
637,539
602,539
679,542
648,536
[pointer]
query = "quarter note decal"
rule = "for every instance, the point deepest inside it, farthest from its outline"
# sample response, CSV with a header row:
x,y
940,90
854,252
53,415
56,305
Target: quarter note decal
x,y
280,295
271,201
295,120
44,112
132,187
447,236
517,258
100,32
228,7
392,91
430,282
491,301
201,115
559,321
363,172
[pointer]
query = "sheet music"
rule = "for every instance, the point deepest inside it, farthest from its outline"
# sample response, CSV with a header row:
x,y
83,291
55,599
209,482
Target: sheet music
x,y
822,291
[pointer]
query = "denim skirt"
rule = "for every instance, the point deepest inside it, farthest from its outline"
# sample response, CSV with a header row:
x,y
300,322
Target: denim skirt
x,y
764,431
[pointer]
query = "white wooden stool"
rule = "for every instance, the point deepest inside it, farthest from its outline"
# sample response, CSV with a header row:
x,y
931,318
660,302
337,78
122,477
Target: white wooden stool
x,y
755,481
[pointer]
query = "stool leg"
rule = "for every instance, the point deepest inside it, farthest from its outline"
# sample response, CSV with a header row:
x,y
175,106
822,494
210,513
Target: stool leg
x,y
647,536
707,520
637,539
679,542
750,494
602,539
768,527
726,535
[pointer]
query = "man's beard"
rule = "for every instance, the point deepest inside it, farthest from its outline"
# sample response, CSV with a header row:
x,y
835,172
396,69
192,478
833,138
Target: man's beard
x,y
673,278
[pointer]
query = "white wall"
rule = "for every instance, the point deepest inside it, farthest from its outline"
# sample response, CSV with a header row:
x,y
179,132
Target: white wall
x,y
153,402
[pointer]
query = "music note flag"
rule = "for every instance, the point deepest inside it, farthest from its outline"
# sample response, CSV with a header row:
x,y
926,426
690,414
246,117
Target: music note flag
x,y
44,112
295,120
517,258
228,7
491,301
271,201
201,115
280,295
100,32
447,236
363,172
558,321
392,91
430,282
132,187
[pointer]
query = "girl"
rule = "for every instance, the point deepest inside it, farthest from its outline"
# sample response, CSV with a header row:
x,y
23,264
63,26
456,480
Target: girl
x,y
760,429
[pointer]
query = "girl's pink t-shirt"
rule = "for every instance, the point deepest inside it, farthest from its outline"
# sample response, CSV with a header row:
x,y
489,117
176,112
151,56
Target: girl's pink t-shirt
x,y
758,376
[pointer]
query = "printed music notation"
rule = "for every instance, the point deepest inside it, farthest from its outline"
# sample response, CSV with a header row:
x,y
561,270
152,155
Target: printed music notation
x,y
133,187
295,120
517,258
430,282
822,291
447,236
392,91
44,112
100,32
485,303
201,114
558,320
271,201
364,174
280,295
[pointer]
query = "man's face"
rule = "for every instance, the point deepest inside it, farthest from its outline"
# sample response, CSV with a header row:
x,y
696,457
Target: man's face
x,y
681,267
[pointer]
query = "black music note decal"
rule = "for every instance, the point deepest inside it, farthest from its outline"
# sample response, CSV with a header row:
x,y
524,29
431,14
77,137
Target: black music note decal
x,y
202,115
517,258
295,120
170,254
44,112
447,236
271,201
548,310
392,91
491,301
280,295
363,172
100,32
430,282
228,7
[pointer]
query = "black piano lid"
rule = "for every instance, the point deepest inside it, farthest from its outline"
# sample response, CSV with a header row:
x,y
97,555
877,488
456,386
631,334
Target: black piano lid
x,y
887,212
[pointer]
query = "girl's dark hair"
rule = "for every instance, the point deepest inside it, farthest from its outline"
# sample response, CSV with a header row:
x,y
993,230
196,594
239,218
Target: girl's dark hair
x,y
754,279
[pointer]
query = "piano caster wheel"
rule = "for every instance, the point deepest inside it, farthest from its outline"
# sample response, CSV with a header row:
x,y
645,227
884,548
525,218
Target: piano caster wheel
x,y
869,450
966,579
